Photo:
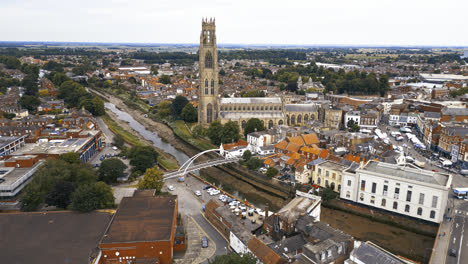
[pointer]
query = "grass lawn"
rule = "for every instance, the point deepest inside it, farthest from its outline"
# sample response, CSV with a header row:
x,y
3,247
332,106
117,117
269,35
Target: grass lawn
x,y
181,130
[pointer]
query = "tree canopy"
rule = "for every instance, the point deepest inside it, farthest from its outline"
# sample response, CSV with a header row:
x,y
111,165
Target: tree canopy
x,y
252,125
152,179
189,113
110,170
227,133
142,157
89,197
233,258
178,105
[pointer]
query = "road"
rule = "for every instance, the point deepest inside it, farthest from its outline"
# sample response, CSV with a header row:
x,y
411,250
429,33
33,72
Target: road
x,y
195,167
459,235
190,204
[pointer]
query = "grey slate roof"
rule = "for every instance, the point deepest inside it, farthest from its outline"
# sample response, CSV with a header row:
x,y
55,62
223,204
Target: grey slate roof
x,y
369,253
300,108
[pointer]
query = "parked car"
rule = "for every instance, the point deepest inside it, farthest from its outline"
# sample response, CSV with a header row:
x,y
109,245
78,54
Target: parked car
x,y
170,188
197,193
207,187
453,252
204,242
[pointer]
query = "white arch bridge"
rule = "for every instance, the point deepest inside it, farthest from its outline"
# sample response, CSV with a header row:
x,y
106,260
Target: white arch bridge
x,y
188,166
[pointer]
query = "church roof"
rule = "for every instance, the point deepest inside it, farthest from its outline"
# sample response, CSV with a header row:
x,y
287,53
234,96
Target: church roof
x,y
247,115
250,100
300,108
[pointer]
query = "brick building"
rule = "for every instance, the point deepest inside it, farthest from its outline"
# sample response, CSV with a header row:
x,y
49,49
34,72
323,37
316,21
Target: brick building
x,y
143,230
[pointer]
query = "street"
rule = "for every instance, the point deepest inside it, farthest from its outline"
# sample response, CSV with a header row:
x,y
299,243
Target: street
x,y
459,236
191,205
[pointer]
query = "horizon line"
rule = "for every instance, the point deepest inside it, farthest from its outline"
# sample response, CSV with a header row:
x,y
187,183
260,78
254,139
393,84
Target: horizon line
x,y
242,44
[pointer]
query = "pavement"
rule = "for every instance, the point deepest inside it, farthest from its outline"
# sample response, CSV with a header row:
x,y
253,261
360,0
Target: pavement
x,y
452,235
191,206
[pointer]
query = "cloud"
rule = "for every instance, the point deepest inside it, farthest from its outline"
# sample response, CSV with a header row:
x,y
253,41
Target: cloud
x,y
306,22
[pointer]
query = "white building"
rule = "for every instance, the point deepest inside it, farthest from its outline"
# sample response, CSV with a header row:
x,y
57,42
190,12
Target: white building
x,y
352,115
400,189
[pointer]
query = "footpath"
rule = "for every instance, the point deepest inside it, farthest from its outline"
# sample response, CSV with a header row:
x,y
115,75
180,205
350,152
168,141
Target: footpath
x,y
439,251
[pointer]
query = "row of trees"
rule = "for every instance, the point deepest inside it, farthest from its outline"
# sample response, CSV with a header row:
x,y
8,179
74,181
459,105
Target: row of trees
x,y
75,95
227,133
69,184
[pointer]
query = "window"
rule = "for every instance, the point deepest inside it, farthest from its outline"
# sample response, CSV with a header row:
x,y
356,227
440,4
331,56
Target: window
x,y
407,208
397,193
206,90
334,176
395,205
318,180
212,83
363,185
374,187
385,190
408,196
372,200
419,211
208,60
384,203
361,196
206,83
349,182
421,198
340,249
329,253
212,90
432,215
434,201
348,194
319,171
327,173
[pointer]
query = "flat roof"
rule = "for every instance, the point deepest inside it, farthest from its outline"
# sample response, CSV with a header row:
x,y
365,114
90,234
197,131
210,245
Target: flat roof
x,y
7,140
10,175
54,147
142,218
45,237
407,172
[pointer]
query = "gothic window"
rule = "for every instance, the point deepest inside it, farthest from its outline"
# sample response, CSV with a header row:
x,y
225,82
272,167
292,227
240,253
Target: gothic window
x,y
212,90
209,113
208,60
306,118
407,208
261,108
206,82
270,124
243,124
299,119
206,90
212,83
419,211
280,122
432,214
293,120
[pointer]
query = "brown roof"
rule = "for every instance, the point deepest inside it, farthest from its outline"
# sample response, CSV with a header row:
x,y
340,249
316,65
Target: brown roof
x,y
296,140
142,218
264,253
239,143
281,145
46,237
293,147
310,139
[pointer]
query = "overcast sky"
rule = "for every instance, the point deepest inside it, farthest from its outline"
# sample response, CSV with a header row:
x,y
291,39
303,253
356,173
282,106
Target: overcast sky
x,y
307,22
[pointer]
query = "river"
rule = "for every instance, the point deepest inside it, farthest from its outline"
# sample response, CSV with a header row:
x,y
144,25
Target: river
x,y
178,155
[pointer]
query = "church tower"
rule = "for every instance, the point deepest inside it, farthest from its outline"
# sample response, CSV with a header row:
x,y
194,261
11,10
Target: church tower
x,y
208,76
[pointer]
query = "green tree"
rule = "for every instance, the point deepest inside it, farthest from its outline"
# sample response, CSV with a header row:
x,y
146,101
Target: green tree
x,y
164,109
271,172
29,102
189,113
90,197
32,197
165,79
72,93
30,85
215,133
197,131
94,105
58,78
110,170
253,124
230,132
233,258
152,179
178,105
118,141
142,157
254,163
353,126
71,158
328,195
222,72
8,115
60,196
247,155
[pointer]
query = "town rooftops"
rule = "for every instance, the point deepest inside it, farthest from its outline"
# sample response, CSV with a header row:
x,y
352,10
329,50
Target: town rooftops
x,y
297,207
247,115
251,100
142,219
332,165
54,146
4,140
408,173
265,254
368,252
45,237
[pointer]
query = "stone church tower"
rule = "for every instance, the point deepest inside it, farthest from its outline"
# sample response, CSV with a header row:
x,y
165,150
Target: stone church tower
x,y
208,76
